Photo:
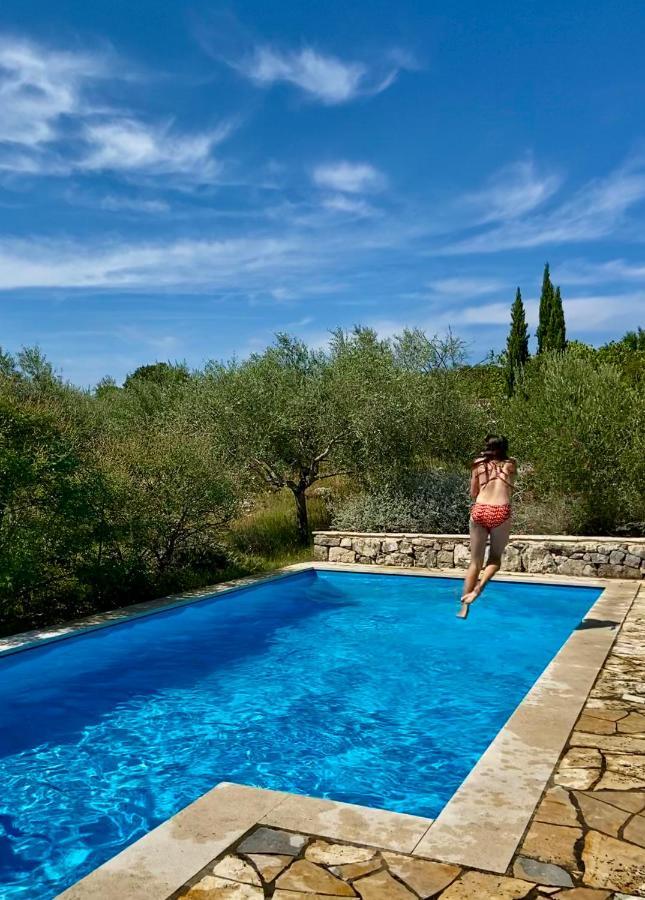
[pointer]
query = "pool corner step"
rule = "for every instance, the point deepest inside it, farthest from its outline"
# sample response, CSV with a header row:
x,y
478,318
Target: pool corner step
x,y
163,860
348,822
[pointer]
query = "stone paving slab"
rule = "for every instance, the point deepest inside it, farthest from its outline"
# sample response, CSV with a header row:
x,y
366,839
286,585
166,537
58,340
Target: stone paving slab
x,y
348,822
379,875
609,802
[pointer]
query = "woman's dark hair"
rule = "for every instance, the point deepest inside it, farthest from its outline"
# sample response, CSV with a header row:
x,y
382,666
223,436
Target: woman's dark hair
x,y
495,447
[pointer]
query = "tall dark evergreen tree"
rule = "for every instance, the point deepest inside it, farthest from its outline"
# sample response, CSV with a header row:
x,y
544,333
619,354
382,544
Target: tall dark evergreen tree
x,y
546,308
551,332
517,344
634,340
557,329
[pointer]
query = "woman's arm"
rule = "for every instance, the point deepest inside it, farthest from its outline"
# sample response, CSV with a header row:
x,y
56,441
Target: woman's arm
x,y
474,478
511,470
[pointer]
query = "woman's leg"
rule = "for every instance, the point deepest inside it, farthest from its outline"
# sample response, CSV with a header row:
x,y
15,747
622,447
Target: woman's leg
x,y
478,538
498,540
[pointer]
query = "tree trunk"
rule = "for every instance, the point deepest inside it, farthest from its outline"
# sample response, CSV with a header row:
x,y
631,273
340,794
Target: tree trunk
x,y
301,514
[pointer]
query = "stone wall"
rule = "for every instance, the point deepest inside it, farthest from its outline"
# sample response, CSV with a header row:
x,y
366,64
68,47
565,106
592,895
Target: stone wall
x,y
557,555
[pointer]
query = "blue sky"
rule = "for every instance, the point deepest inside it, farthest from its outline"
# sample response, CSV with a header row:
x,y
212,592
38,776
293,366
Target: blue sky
x,y
182,180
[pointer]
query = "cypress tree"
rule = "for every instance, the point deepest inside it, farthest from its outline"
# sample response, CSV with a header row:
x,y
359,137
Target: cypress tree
x,y
517,343
546,307
557,327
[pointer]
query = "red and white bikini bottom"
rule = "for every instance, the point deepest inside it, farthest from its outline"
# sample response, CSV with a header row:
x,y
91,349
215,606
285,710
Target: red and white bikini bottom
x,y
490,516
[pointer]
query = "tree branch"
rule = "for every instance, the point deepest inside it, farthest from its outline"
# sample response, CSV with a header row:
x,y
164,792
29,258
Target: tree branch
x,y
334,474
269,473
328,449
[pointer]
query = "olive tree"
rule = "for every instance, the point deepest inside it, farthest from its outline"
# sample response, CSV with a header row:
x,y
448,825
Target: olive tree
x,y
581,427
47,487
169,493
295,415
450,420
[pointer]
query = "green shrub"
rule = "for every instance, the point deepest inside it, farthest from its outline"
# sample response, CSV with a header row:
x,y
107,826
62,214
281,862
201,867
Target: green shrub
x,y
581,427
103,501
432,502
553,514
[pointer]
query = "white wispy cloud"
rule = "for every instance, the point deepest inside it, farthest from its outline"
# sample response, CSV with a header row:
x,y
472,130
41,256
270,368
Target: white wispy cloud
x,y
162,343
193,264
113,203
282,257
465,286
580,271
354,206
594,211
596,312
511,192
128,145
38,87
306,289
590,316
320,76
348,177
53,122
599,312
495,313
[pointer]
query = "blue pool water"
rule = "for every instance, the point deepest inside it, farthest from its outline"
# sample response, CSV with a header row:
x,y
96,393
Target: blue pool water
x,y
363,688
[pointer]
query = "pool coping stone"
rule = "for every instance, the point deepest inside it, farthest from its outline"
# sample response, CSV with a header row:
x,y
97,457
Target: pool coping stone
x,y
483,822
348,822
164,859
481,826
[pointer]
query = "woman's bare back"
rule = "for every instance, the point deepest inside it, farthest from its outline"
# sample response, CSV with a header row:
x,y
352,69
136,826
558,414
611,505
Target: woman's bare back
x,y
495,480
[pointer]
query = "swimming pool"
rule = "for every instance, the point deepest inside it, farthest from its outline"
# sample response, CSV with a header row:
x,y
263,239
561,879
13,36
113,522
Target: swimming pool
x,y
360,687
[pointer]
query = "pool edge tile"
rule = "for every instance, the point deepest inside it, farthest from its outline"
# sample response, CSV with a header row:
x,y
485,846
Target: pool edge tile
x,y
348,822
160,862
482,825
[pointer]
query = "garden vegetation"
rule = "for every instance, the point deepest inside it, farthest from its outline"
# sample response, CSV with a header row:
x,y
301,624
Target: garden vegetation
x,y
181,478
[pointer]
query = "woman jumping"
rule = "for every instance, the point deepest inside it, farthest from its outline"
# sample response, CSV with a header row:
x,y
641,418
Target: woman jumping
x,y
491,485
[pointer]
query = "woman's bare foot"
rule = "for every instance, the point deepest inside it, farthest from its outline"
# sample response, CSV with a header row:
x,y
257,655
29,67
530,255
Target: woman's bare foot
x,y
466,600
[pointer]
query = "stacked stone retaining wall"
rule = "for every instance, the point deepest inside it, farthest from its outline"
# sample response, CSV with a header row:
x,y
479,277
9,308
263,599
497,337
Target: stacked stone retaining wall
x,y
549,554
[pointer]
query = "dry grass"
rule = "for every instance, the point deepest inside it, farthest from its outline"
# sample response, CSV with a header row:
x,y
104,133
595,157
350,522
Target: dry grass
x,y
268,534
